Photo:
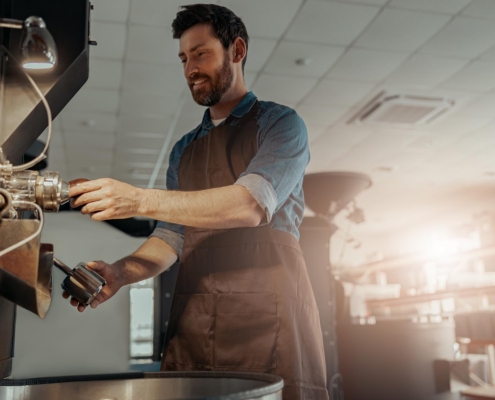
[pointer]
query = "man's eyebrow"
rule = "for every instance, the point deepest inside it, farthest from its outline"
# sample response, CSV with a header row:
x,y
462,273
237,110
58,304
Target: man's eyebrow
x,y
192,49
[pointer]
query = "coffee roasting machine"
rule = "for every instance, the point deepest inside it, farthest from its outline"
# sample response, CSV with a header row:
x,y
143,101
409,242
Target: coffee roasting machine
x,y
28,103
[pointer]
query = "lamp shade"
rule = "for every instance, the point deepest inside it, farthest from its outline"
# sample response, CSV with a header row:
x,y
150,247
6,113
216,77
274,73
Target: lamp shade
x,y
37,45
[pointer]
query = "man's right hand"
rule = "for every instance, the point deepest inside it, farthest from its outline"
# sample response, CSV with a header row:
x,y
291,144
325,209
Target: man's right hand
x,y
111,274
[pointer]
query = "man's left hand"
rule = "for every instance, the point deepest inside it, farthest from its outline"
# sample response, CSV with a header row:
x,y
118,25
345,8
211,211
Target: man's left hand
x,y
107,199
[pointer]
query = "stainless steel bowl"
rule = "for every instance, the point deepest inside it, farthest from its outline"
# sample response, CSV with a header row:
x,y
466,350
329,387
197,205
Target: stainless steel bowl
x,y
149,386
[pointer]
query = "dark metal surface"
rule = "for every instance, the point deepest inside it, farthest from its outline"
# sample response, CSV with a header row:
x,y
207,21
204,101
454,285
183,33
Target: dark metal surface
x,y
324,188
7,330
393,359
67,21
156,386
26,272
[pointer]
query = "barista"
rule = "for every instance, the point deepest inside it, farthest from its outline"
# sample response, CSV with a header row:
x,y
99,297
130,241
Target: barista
x,y
243,301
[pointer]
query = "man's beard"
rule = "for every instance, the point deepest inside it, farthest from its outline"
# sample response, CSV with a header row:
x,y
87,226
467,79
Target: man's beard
x,y
220,83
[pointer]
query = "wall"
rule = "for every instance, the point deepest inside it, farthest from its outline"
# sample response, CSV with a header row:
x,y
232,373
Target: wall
x,y
67,342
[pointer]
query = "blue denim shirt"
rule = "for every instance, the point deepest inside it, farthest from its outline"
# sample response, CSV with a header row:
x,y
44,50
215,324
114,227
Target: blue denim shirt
x,y
274,176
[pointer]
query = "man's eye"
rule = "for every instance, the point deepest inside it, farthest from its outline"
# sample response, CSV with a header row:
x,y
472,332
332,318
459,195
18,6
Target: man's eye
x,y
183,61
201,53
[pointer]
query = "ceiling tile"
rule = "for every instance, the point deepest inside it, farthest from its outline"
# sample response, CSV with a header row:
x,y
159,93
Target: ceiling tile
x,y
105,74
258,53
97,100
481,9
320,116
481,107
156,12
96,156
192,110
111,38
426,71
110,10
125,157
326,22
249,80
152,45
264,18
463,37
147,105
366,65
88,141
154,78
401,30
477,76
338,93
82,122
282,89
320,58
372,2
442,6
143,140
315,132
137,125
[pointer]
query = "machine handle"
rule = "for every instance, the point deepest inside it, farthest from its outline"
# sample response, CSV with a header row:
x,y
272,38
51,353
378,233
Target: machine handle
x,y
60,265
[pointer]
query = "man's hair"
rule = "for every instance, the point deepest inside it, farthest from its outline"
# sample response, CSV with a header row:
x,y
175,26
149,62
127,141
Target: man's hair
x,y
226,25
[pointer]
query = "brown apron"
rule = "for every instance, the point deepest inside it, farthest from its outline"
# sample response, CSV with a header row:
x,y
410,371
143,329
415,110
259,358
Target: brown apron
x,y
243,300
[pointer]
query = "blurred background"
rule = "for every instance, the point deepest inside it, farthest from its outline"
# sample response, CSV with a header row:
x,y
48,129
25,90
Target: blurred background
x,y
399,93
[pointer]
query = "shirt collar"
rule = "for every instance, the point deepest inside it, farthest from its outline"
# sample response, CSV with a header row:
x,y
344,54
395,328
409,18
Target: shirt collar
x,y
242,108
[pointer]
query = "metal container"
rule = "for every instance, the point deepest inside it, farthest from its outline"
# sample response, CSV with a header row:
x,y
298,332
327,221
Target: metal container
x,y
149,386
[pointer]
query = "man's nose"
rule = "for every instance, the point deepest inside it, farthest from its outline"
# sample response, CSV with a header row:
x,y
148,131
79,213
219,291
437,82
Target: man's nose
x,y
190,69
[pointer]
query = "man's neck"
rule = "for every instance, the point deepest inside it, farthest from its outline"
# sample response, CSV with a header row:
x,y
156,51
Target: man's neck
x,y
228,102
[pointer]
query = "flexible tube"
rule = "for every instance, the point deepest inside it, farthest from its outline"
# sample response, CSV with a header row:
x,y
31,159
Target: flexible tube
x,y
42,156
31,237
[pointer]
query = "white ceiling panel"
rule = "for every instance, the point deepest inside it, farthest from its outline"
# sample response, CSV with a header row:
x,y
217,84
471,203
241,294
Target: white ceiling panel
x,y
315,132
249,78
152,45
328,22
463,37
86,141
366,65
143,140
96,100
264,18
96,156
477,76
323,116
147,105
442,6
124,157
320,59
426,71
401,30
137,125
157,12
111,38
481,9
282,89
83,122
484,106
372,2
192,110
105,74
110,10
154,78
338,93
259,52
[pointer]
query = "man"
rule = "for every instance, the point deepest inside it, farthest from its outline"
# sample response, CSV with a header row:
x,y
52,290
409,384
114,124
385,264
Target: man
x,y
243,301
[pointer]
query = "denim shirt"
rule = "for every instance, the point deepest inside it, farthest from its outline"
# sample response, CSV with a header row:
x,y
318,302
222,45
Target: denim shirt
x,y
274,176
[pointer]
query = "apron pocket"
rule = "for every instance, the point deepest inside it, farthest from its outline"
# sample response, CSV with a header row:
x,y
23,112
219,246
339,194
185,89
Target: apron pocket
x,y
190,341
246,331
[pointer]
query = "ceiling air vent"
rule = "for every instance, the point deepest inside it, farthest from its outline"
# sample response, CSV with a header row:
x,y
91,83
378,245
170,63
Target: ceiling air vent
x,y
401,110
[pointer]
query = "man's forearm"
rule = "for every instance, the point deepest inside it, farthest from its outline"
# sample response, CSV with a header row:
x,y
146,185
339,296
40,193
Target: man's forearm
x,y
151,259
220,208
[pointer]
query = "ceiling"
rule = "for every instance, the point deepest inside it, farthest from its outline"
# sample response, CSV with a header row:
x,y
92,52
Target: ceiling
x,y
136,103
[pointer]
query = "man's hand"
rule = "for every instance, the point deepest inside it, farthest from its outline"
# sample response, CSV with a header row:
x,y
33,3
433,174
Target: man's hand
x,y
114,279
107,199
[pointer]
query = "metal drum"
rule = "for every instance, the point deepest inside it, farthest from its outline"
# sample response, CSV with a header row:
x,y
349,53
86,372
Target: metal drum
x,y
149,386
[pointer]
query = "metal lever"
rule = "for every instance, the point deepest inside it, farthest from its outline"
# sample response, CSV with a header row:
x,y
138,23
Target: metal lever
x,y
81,283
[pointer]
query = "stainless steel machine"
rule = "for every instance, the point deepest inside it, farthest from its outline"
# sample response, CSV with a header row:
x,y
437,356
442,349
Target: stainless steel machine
x,y
50,40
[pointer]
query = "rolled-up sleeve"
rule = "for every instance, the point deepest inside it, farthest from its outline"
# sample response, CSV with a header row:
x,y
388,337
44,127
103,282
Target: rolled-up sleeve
x,y
280,162
172,234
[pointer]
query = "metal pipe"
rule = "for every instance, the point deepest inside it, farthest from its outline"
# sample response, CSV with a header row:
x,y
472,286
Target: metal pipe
x,y
11,23
59,264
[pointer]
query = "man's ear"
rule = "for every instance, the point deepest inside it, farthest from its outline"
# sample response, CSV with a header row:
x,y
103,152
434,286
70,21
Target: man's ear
x,y
240,50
